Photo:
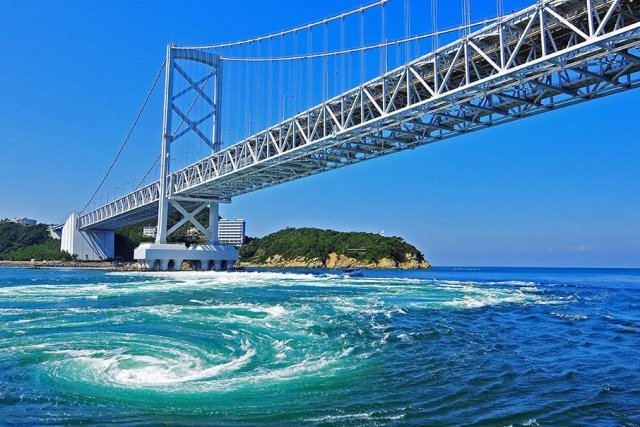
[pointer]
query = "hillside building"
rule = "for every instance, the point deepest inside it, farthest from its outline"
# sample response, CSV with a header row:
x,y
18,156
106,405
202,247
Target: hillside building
x,y
231,232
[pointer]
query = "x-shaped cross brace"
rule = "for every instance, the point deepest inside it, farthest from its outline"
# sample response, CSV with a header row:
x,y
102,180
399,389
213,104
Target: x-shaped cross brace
x,y
188,217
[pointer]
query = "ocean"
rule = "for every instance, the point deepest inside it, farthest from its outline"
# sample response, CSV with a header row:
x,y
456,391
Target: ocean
x,y
448,346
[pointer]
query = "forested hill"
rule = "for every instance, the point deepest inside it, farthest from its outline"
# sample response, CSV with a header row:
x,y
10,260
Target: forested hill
x,y
25,242
312,247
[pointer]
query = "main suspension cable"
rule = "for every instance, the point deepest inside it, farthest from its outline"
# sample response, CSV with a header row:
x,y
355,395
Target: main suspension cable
x,y
126,139
360,48
289,31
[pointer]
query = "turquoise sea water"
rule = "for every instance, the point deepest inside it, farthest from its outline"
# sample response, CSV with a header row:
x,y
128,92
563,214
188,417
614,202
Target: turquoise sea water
x,y
447,346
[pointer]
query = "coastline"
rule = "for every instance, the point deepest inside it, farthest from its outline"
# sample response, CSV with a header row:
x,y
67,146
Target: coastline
x,y
313,266
133,266
93,265
338,261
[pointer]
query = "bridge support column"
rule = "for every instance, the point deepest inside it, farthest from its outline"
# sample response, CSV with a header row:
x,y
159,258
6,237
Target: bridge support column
x,y
161,253
165,149
87,245
214,214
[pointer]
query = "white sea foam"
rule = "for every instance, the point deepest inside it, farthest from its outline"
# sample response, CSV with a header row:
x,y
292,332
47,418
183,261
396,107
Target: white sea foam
x,y
342,417
158,371
136,363
281,348
572,317
483,299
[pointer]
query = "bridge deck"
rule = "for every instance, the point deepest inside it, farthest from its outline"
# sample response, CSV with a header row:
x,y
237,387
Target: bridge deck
x,y
542,58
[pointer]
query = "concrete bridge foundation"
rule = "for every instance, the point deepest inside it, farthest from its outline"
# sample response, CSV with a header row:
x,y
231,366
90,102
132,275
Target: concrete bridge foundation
x,y
90,245
170,256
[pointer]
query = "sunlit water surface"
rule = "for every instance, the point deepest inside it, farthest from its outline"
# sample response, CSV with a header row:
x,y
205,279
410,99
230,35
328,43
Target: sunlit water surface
x,y
447,346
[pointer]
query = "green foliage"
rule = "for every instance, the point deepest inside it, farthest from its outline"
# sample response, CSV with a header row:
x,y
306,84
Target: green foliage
x,y
312,243
127,239
22,243
16,236
46,251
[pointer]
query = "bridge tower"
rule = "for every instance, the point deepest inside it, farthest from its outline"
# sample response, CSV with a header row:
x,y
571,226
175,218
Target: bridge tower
x,y
190,104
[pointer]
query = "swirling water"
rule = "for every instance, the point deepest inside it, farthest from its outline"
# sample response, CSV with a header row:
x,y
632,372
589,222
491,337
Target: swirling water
x,y
447,346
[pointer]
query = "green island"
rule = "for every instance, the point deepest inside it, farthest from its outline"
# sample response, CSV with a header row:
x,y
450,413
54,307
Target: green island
x,y
314,248
290,247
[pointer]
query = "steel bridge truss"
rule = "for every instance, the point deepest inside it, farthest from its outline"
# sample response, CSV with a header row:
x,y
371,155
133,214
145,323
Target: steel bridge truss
x,y
551,55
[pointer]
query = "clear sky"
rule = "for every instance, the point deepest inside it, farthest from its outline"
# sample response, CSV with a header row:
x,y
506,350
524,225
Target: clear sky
x,y
560,189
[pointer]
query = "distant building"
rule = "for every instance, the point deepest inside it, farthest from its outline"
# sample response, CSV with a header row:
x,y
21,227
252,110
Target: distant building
x,y
231,232
150,231
24,221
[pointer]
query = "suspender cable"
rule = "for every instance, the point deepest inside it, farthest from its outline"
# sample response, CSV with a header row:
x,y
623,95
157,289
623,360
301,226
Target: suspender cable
x,y
237,94
325,70
463,17
281,81
295,74
270,84
350,68
343,46
310,68
407,30
362,75
383,29
126,139
500,8
434,24
247,89
255,116
466,17
155,163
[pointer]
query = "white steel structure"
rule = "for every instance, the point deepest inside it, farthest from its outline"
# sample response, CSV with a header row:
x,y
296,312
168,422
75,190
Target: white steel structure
x,y
553,54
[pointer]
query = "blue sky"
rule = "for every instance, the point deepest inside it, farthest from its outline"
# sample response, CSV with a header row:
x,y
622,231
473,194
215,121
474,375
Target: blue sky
x,y
560,189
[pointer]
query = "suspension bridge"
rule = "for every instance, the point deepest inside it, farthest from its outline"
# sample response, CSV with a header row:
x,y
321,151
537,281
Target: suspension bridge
x,y
336,92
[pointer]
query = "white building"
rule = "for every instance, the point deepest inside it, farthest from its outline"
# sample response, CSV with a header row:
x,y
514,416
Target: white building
x,y
24,221
150,231
231,232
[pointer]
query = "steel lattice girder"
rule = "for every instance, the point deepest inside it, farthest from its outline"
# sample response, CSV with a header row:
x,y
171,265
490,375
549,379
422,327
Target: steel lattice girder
x,y
551,55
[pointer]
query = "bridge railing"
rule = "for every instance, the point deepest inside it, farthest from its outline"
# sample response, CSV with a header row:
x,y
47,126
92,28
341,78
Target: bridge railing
x,y
125,204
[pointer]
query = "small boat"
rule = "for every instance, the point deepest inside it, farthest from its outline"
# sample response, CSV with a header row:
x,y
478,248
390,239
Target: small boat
x,y
355,271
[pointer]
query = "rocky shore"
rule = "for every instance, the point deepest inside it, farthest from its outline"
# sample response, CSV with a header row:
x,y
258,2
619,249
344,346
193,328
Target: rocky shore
x,y
338,261
97,265
277,261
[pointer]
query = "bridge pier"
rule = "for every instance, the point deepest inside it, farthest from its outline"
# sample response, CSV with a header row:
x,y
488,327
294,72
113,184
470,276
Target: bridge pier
x,y
89,245
159,256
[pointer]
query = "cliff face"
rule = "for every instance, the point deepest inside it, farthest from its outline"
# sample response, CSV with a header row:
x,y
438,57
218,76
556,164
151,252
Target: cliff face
x,y
336,261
